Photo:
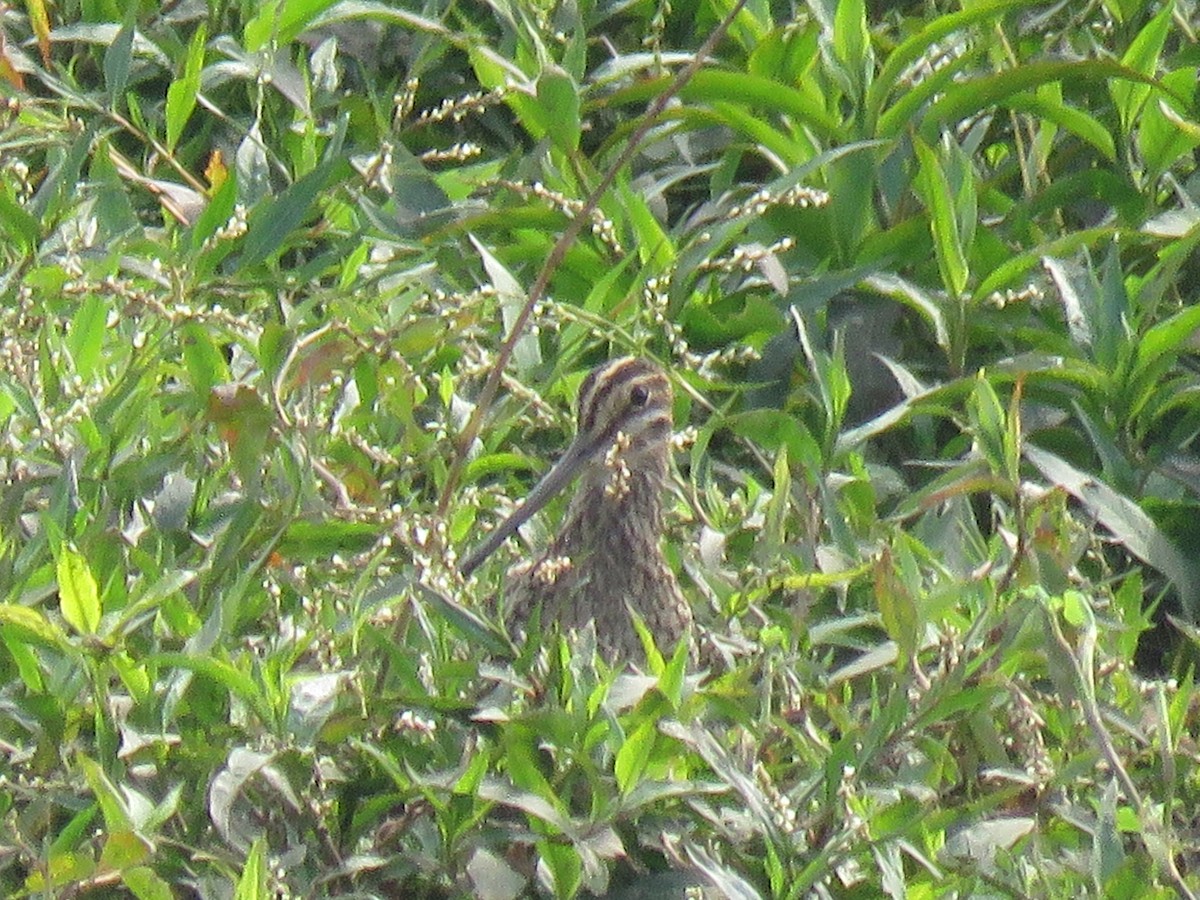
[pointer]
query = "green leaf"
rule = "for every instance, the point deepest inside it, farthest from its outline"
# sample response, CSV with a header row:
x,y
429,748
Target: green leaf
x,y
297,17
780,503
1167,338
964,99
1076,609
64,868
252,884
654,246
920,44
27,662
496,464
1123,11
952,704
118,57
20,227
1126,520
773,429
527,351
112,804
144,884
182,92
674,675
274,219
852,40
78,595
124,849
61,184
473,775
947,241
356,10
565,865
215,215
1063,246
29,625
1046,103
132,674
494,73
710,86
70,833
897,603
520,760
899,117
237,682
558,100
260,29
1148,386
309,541
634,754
205,363
988,426
1141,57
85,335
1168,130
39,22
1112,316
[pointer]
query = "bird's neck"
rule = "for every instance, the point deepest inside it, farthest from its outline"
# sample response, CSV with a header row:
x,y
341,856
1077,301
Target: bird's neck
x,y
616,510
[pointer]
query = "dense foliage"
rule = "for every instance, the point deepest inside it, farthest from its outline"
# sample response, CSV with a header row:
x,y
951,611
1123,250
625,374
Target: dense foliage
x,y
923,277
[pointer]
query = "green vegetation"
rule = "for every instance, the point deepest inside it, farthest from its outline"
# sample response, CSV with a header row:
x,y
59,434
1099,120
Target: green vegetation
x,y
295,296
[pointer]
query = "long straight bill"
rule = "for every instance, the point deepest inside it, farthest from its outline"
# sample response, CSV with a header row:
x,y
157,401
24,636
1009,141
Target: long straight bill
x,y
552,482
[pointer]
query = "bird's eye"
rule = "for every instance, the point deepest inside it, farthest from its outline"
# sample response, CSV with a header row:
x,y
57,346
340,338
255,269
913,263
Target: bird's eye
x,y
639,395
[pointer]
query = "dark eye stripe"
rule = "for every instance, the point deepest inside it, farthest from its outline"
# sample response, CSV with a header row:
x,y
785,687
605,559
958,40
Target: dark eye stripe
x,y
607,378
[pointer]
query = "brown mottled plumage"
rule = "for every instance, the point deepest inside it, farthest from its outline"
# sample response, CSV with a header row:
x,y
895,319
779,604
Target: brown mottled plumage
x,y
606,559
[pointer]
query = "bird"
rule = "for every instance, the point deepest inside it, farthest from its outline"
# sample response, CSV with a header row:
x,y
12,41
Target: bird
x,y
605,563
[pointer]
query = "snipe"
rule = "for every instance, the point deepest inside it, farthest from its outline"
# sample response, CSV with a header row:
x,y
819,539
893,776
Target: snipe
x,y
605,561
